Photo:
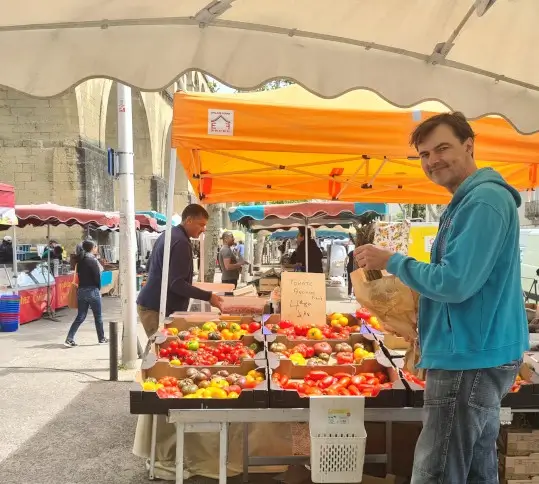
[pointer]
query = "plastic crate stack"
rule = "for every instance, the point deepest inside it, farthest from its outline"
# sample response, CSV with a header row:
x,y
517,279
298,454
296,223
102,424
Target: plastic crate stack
x,y
9,312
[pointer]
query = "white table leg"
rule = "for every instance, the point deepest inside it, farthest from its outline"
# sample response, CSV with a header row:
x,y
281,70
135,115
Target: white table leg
x,y
180,435
223,452
153,443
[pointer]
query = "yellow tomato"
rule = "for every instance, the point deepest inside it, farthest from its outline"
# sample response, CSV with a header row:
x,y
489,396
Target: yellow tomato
x,y
336,316
209,326
234,327
233,395
219,383
298,359
203,335
175,362
218,393
226,334
236,335
335,323
343,320
149,386
315,333
173,331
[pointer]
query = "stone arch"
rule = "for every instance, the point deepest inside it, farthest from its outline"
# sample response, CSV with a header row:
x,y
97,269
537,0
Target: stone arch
x,y
40,155
142,147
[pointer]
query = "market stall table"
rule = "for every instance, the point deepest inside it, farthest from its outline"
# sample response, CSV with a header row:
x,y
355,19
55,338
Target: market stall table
x,y
208,420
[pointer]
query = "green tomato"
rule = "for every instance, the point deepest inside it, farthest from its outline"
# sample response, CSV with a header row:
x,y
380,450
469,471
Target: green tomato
x,y
192,345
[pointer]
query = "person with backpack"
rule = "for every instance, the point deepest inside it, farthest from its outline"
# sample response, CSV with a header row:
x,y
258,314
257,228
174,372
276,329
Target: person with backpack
x,y
89,293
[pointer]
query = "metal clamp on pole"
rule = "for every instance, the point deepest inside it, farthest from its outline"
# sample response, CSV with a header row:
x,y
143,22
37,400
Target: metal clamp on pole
x,y
113,351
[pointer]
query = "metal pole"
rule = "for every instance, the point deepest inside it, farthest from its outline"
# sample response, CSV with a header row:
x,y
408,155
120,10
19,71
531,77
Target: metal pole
x,y
113,351
50,310
15,285
201,264
307,238
127,226
168,235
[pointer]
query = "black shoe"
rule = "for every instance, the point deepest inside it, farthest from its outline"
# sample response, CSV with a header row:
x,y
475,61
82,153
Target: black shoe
x,y
69,343
103,341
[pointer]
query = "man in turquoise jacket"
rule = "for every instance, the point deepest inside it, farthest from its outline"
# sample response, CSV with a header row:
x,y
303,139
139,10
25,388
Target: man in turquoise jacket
x,y
472,322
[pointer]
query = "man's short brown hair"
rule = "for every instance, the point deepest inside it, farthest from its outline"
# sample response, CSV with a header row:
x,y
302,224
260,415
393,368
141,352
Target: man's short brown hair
x,y
456,121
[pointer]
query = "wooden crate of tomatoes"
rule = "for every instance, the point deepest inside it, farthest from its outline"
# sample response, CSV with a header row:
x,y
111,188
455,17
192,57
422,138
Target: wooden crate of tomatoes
x,y
292,385
523,394
164,387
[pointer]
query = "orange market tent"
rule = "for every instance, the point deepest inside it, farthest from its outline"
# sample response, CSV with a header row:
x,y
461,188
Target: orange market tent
x,y
288,144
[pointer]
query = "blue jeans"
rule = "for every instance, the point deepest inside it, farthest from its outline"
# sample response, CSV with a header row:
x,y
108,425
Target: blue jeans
x,y
461,424
88,297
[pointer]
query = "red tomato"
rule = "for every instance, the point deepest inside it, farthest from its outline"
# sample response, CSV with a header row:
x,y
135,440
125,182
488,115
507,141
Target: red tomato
x,y
344,382
326,382
254,327
234,388
358,380
164,353
344,392
314,391
316,375
244,326
284,380
354,390
291,385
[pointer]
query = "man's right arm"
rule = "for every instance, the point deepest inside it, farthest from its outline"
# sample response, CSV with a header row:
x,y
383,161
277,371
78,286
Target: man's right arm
x,y
179,272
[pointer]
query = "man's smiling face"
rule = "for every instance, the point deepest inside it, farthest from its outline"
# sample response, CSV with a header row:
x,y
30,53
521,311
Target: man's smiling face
x,y
445,159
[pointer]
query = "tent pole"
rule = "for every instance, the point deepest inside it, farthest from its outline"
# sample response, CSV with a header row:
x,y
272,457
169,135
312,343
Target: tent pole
x,y
15,286
127,226
306,241
50,311
168,235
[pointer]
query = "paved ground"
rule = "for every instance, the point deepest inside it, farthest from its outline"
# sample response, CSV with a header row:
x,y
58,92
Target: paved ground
x,y
61,421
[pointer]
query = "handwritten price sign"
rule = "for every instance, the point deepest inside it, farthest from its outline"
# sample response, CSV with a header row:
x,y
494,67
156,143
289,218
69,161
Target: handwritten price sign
x,y
303,298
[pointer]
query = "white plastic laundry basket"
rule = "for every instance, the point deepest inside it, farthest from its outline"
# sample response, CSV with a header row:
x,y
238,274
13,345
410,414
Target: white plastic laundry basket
x,y
338,439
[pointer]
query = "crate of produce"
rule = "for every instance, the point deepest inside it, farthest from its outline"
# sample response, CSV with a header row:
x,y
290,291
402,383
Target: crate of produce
x,y
224,328
268,284
524,393
291,385
355,350
244,306
338,327
164,387
202,353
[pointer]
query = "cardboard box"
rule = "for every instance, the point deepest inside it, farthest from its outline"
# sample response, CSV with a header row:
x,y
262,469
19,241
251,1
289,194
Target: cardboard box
x,y
268,284
520,467
518,442
531,480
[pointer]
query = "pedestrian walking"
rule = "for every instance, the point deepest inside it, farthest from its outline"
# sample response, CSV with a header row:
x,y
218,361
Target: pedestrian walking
x,y
88,294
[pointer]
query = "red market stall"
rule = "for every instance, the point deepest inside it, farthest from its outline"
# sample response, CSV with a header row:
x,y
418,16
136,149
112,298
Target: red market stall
x,y
52,292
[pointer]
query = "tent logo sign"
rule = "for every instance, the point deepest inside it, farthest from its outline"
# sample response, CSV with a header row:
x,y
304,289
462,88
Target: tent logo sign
x,y
221,122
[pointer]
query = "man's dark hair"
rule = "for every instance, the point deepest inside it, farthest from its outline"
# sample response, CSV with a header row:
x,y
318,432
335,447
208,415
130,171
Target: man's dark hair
x,y
456,121
52,241
88,245
194,210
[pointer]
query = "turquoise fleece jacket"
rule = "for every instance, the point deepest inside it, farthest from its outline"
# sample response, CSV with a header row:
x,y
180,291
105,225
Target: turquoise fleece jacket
x,y
471,309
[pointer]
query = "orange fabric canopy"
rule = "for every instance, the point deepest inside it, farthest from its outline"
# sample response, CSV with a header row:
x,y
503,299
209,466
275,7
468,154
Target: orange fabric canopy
x,y
288,144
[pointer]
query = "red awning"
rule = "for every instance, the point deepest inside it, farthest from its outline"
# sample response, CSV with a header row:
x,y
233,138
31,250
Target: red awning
x,y
52,214
147,223
7,196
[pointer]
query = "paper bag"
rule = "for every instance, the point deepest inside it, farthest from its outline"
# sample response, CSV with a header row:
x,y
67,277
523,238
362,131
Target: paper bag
x,y
396,307
392,302
72,297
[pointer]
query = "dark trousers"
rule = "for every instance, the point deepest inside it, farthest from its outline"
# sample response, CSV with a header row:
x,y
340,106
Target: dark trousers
x,y
88,297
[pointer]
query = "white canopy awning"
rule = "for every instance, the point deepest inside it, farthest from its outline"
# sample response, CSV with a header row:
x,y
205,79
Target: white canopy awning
x,y
406,51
